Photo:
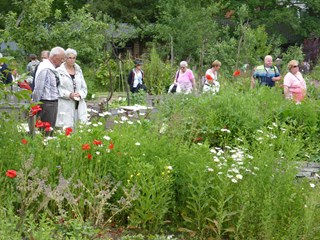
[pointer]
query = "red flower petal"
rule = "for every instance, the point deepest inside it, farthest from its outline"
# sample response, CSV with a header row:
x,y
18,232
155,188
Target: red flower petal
x,y
111,145
35,109
236,73
11,173
97,142
209,77
68,131
24,141
89,156
39,124
85,146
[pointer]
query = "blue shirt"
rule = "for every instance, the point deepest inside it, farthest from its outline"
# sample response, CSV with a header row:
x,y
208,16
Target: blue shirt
x,y
265,75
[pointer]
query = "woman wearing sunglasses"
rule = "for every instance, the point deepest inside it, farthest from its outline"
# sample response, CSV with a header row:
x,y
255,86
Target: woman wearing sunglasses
x,y
295,87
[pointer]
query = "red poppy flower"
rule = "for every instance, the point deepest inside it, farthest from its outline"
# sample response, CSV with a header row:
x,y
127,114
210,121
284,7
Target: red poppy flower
x,y
236,73
46,124
68,131
39,124
89,156
47,129
209,77
97,142
35,109
85,146
24,141
11,173
111,145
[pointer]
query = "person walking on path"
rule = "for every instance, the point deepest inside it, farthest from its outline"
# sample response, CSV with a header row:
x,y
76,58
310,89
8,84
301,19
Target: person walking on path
x,y
185,78
46,86
135,78
294,85
267,74
211,83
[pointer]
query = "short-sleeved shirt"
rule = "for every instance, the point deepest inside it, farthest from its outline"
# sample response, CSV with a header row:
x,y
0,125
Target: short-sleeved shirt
x,y
265,75
185,80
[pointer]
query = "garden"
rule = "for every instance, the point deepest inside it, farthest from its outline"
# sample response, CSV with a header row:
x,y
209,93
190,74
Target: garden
x,y
200,167
195,166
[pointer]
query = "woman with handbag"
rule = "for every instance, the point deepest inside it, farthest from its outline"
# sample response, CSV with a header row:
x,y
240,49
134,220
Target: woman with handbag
x,y
294,85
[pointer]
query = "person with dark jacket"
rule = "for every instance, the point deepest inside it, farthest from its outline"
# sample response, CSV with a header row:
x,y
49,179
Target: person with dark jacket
x,y
5,72
135,78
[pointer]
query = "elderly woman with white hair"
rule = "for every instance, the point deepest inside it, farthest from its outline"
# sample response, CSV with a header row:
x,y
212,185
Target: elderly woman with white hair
x,y
185,78
72,107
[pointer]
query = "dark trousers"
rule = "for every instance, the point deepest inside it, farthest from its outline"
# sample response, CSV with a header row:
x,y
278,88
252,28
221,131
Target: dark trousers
x,y
139,87
49,112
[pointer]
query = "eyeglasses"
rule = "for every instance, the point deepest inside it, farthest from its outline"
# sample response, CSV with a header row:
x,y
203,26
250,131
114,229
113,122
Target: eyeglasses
x,y
295,66
182,67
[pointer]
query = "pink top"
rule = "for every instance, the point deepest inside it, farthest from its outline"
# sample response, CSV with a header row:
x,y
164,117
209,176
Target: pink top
x,y
296,84
185,80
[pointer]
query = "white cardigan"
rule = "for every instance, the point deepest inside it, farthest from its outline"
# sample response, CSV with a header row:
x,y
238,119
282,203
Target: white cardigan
x,y
67,114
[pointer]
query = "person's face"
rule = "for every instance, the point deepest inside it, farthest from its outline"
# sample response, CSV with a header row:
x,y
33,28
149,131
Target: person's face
x,y
294,68
183,69
216,68
71,59
44,56
268,62
58,59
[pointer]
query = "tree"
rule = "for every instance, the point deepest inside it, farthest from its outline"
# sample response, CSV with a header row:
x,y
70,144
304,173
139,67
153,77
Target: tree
x,y
36,27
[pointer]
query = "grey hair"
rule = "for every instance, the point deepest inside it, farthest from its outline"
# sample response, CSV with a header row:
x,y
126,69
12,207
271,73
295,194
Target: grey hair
x,y
183,64
71,51
56,51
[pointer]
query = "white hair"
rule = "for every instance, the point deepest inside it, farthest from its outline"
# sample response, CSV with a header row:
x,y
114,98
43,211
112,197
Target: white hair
x,y
183,64
71,51
56,51
268,57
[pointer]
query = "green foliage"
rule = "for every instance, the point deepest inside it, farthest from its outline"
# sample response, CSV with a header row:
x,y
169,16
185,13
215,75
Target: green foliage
x,y
158,75
293,53
205,166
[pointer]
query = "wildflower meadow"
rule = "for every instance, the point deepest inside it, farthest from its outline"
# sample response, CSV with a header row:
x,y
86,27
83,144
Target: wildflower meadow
x,y
200,167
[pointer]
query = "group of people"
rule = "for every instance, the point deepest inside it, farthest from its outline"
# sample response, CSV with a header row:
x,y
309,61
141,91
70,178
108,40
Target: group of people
x,y
58,82
294,85
60,86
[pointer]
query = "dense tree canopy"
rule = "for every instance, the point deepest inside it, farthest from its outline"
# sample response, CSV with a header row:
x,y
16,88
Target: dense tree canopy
x,y
193,29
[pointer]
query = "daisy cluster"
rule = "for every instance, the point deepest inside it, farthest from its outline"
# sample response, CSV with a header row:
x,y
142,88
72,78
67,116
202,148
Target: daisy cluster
x,y
232,163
